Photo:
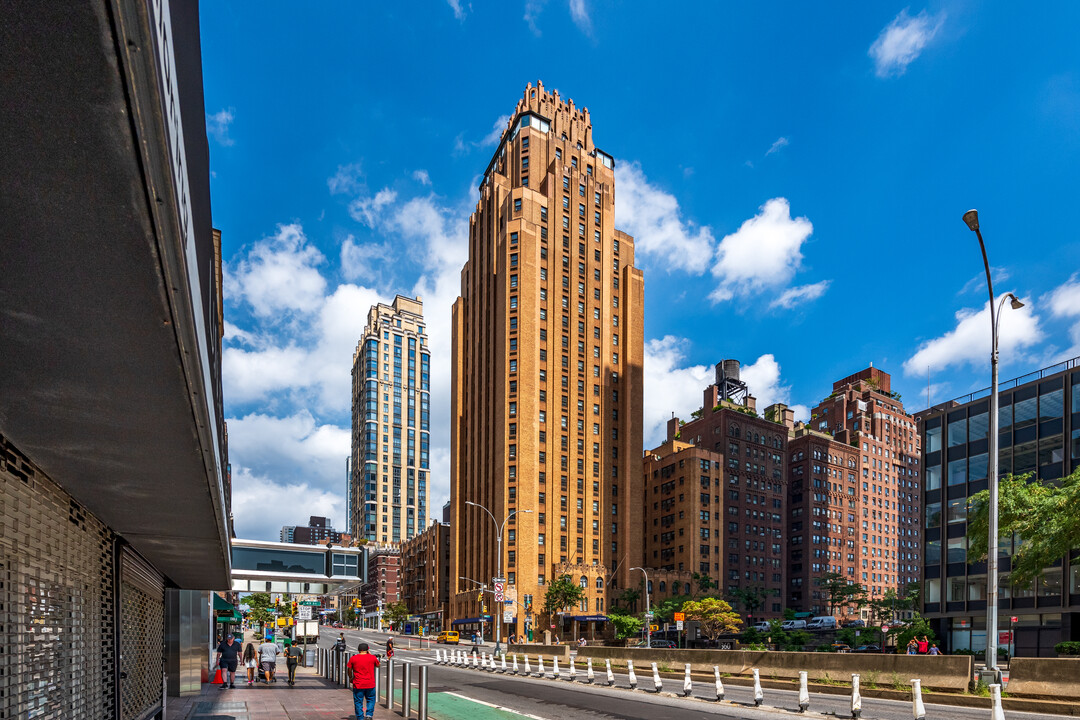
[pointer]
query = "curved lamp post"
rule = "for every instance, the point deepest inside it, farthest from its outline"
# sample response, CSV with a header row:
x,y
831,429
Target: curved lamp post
x,y
498,556
648,612
971,217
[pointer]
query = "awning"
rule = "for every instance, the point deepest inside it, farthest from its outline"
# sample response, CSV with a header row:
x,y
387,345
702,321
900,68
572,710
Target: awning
x,y
234,618
470,621
589,618
221,603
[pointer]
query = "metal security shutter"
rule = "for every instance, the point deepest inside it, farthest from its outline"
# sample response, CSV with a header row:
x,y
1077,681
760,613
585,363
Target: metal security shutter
x,y
57,600
142,635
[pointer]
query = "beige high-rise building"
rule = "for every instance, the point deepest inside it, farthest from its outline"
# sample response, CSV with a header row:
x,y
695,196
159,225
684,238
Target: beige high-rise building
x,y
546,409
388,489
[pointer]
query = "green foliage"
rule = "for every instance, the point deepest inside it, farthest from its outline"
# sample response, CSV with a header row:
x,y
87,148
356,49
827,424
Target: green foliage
x,y
261,607
703,584
789,614
795,640
752,636
872,679
917,628
847,636
697,413
757,647
396,613
839,592
665,610
1068,648
826,648
1041,514
897,682
562,593
626,626
749,600
626,600
714,616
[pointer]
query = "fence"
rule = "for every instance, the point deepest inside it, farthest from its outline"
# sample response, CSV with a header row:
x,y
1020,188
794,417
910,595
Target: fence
x,y
332,666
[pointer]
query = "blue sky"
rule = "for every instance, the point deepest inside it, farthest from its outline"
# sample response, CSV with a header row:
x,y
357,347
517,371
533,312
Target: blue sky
x,y
794,177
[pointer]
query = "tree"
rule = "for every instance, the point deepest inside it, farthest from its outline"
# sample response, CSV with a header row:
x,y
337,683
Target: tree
x,y
665,610
626,625
917,628
751,598
562,593
260,605
396,613
838,591
1041,514
714,616
627,600
703,583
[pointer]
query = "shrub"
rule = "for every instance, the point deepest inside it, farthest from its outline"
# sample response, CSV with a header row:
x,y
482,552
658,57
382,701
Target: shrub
x,y
965,651
1068,648
826,648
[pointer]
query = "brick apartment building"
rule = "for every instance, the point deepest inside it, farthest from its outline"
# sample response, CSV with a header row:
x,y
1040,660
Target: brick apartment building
x,y
425,575
382,585
317,532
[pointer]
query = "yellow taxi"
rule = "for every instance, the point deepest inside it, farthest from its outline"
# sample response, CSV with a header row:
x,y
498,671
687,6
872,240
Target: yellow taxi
x,y
447,636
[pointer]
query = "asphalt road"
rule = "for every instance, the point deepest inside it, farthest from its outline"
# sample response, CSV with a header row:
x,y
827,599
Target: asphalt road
x,y
559,700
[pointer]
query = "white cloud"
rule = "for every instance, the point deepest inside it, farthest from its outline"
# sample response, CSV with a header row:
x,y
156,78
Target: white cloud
x,y
261,506
422,176
762,377
347,179
532,14
781,142
580,14
800,294
455,5
1064,303
249,375
463,146
978,282
670,388
280,273
764,253
902,41
367,209
969,342
217,126
311,451
653,217
362,260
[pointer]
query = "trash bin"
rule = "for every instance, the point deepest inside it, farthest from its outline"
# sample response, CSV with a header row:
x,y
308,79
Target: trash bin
x,y
309,659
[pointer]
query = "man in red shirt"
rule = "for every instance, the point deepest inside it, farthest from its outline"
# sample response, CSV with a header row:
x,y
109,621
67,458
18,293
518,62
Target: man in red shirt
x,y
361,673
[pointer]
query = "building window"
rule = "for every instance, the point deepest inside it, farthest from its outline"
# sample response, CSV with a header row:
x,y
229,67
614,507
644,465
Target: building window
x,y
517,205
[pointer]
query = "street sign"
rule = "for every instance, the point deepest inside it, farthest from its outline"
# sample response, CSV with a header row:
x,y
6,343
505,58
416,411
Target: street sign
x,y
649,615
1012,619
499,590
304,612
315,603
508,602
679,617
884,628
654,628
508,616
678,624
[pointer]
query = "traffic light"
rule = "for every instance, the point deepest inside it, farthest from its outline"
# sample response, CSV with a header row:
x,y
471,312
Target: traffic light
x,y
294,607
480,597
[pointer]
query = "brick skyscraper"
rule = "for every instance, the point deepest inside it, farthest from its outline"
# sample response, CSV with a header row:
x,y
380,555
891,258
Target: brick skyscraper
x,y
547,373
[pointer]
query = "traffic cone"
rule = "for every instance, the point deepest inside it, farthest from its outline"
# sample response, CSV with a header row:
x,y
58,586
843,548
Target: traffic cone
x,y
217,678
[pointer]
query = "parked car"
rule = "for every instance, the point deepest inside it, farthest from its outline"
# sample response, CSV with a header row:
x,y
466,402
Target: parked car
x,y
658,644
448,637
762,626
841,647
822,622
867,649
854,623
793,625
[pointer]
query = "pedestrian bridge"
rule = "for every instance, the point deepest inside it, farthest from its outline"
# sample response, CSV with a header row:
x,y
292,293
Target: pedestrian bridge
x,y
276,567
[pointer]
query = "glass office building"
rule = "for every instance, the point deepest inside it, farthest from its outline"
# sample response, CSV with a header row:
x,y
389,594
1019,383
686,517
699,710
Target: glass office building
x,y
1039,433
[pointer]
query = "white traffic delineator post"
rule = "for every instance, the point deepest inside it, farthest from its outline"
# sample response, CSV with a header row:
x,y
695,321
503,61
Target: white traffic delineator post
x,y
589,677
555,667
687,684
856,698
483,661
475,661
995,703
918,711
719,682
528,670
758,697
633,677
804,694
514,669
573,670
503,668
657,682
540,666
610,675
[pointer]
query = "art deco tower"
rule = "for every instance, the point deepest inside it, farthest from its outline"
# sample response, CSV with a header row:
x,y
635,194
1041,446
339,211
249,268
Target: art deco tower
x,y
388,483
546,409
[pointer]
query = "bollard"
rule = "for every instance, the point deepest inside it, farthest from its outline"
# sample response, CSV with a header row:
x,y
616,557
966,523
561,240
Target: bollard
x,y
475,661
758,697
421,703
406,690
540,666
503,669
438,657
804,694
856,698
918,711
633,677
555,674
658,684
610,675
589,677
483,660
389,699
528,670
996,713
514,669
687,684
719,683
573,670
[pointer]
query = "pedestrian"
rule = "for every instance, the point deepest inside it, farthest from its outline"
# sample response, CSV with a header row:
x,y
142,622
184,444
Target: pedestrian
x,y
250,662
360,672
339,646
228,653
268,653
389,648
292,659
912,647
934,650
512,639
924,645
582,642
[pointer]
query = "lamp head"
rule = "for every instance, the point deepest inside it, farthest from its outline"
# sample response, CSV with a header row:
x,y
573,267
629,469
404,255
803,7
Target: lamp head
x,y
971,217
470,502
1014,302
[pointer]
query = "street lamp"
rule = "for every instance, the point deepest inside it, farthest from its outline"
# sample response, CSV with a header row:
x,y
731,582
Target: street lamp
x,y
498,557
648,612
971,218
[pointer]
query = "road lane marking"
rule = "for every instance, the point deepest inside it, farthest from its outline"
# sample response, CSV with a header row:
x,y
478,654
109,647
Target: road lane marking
x,y
493,706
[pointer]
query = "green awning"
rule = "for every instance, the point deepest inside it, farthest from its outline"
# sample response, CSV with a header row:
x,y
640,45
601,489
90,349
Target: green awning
x,y
221,603
234,618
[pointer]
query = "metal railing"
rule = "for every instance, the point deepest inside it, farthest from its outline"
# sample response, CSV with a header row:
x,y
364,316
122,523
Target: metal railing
x,y
332,665
1008,384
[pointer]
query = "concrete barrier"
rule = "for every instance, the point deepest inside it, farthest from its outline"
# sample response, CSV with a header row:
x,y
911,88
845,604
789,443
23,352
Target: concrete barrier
x,y
947,673
1050,678
562,651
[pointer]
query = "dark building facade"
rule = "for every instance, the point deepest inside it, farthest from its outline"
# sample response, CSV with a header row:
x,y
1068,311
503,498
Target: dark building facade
x,y
318,530
1039,432
425,575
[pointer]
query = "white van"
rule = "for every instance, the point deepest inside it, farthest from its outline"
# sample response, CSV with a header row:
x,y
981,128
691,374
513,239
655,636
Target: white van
x,y
762,626
823,622
793,625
